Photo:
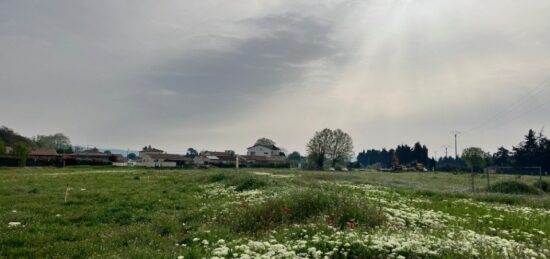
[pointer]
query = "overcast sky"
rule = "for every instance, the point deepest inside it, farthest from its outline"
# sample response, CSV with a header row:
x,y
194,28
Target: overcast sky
x,y
218,75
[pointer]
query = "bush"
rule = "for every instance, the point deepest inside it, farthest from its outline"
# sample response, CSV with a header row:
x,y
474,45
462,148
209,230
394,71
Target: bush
x,y
545,185
302,207
513,187
250,184
217,178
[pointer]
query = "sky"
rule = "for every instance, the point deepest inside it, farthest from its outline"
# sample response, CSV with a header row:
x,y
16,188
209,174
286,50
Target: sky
x,y
217,75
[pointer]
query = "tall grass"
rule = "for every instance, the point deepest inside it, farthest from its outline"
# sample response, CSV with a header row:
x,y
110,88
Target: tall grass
x,y
330,207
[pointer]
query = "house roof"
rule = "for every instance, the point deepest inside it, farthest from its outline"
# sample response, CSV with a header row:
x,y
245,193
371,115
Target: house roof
x,y
89,153
272,147
44,152
263,158
215,153
152,150
173,157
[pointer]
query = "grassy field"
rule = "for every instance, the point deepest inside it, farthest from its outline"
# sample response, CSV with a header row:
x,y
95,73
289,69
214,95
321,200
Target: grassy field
x,y
139,213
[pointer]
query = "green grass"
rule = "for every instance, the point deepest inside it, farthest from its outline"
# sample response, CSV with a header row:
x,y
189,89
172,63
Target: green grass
x,y
141,213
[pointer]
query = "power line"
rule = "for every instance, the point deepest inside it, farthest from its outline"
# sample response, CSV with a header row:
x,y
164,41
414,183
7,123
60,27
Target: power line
x,y
544,85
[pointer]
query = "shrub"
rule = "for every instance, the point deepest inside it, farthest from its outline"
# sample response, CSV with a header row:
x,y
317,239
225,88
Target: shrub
x,y
303,206
217,178
513,187
250,184
545,185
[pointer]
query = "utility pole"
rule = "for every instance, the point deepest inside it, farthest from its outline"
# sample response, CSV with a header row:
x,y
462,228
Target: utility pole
x,y
446,147
456,133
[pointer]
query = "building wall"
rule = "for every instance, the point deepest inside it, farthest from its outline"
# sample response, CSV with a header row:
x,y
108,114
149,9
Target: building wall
x,y
259,151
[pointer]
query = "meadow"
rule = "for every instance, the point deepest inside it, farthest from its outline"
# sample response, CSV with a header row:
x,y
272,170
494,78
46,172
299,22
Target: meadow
x,y
108,212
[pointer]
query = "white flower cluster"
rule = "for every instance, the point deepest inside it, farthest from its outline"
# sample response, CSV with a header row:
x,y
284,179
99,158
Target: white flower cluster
x,y
410,231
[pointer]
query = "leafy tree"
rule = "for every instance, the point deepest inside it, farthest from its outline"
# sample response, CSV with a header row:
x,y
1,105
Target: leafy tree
x,y
108,152
10,137
132,156
526,153
502,157
21,151
341,148
191,152
2,148
331,146
475,157
295,158
317,148
265,142
56,141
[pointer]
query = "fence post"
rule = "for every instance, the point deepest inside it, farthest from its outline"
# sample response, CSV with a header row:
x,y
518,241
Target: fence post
x,y
540,178
473,190
488,182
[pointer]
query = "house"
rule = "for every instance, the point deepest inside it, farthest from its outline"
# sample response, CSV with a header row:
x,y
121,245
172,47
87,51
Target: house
x,y
264,161
150,150
46,154
216,158
155,159
265,151
92,156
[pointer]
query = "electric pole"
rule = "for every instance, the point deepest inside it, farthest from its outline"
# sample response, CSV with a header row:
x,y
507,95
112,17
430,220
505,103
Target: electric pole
x,y
446,147
456,133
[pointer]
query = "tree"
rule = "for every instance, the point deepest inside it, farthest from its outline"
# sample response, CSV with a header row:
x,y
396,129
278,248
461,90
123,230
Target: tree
x,y
394,159
526,153
132,156
21,151
475,157
502,157
265,142
341,148
56,141
108,152
10,137
191,152
331,146
295,158
2,148
317,148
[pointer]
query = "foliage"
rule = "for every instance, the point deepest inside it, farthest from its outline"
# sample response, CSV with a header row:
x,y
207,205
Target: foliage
x,y
475,157
543,185
56,141
533,151
502,157
329,146
191,152
146,213
302,207
250,184
2,147
513,187
265,142
21,151
132,156
404,154
10,137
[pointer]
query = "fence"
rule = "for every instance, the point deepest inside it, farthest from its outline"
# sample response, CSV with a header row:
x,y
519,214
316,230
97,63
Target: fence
x,y
533,175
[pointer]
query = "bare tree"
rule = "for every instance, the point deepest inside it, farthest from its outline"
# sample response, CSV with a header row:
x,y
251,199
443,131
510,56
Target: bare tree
x,y
329,146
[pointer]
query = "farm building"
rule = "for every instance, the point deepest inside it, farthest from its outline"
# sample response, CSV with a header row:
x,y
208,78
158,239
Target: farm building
x,y
44,154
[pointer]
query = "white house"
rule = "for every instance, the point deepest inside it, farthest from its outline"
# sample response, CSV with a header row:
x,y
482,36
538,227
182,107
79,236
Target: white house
x,y
163,160
265,150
